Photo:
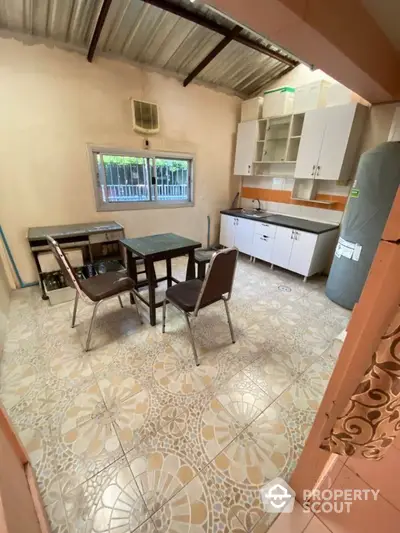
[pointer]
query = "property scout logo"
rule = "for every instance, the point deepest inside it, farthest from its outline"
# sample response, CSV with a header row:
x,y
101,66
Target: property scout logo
x,y
279,497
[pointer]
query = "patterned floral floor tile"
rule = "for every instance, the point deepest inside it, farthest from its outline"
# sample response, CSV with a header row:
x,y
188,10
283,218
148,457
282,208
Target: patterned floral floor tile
x,y
41,448
175,371
85,436
213,331
17,383
161,466
108,502
234,480
271,374
265,304
207,426
189,511
55,510
243,399
281,434
67,363
307,390
129,404
199,441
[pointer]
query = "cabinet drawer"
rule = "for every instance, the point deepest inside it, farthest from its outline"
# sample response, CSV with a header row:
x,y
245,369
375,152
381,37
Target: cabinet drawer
x,y
106,236
263,228
262,247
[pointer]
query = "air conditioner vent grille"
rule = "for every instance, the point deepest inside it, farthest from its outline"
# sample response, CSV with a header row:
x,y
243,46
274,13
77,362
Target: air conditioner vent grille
x,y
145,117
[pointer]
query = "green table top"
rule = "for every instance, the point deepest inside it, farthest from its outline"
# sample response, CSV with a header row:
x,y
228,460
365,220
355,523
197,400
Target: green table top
x,y
157,244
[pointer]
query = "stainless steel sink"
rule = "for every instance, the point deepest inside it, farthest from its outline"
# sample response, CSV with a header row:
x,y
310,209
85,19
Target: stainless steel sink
x,y
255,213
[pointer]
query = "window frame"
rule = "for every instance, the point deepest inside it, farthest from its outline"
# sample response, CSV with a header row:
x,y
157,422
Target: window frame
x,y
145,204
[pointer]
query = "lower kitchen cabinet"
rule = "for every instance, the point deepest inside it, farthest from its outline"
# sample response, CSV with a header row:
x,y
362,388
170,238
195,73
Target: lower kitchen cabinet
x,y
227,232
244,232
294,250
303,249
237,232
262,247
282,247
302,252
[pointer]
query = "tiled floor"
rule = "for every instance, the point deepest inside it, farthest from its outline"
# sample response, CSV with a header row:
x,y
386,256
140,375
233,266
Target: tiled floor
x,y
132,436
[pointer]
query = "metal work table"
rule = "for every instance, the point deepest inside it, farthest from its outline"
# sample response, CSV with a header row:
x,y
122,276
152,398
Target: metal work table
x,y
84,236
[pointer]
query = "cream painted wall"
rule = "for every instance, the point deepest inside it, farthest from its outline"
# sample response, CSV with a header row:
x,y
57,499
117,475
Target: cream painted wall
x,y
4,303
301,75
378,125
55,103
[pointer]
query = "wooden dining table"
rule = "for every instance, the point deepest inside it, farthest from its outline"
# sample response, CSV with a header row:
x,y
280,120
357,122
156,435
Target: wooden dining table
x,y
162,247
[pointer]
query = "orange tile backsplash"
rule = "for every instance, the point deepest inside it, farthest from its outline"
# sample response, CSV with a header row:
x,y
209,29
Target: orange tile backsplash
x,y
284,197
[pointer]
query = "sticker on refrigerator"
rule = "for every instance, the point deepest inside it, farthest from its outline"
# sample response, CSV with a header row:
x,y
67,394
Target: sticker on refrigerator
x,y
348,249
357,252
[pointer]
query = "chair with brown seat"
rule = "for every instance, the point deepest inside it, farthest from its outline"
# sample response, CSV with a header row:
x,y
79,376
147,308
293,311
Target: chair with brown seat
x,y
193,295
95,289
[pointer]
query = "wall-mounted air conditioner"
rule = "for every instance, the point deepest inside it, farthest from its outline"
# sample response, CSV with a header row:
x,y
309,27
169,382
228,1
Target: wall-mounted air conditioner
x,y
145,117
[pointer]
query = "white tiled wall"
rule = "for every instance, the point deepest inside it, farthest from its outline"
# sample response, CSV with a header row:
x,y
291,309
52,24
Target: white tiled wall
x,y
310,213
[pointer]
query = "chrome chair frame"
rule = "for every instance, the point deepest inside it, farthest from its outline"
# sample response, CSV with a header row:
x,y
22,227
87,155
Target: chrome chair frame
x,y
192,315
95,309
80,294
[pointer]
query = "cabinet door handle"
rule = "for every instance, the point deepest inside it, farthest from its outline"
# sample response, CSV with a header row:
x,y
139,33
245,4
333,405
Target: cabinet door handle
x,y
265,236
318,169
313,170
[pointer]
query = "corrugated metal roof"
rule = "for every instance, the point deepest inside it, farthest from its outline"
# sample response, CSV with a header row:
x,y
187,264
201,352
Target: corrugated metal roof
x,y
142,33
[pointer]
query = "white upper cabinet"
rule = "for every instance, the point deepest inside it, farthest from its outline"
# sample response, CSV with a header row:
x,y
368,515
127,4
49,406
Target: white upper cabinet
x,y
246,142
310,144
329,142
332,157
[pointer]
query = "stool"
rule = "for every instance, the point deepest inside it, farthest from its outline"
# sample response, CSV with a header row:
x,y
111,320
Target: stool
x,y
202,257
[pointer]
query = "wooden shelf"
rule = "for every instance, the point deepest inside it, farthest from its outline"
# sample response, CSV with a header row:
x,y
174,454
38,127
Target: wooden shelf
x,y
277,139
274,175
274,162
324,202
275,117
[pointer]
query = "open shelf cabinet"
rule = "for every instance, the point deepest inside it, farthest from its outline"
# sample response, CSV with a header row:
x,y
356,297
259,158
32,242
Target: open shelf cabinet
x,y
278,140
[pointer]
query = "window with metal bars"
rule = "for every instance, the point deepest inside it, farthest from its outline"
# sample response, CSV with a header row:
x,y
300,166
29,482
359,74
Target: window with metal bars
x,y
142,179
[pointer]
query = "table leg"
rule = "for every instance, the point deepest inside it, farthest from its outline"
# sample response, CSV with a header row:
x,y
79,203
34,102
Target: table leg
x,y
152,283
191,266
169,271
131,270
41,281
201,270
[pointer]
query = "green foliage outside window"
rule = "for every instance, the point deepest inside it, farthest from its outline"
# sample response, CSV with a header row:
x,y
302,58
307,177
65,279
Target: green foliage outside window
x,y
171,164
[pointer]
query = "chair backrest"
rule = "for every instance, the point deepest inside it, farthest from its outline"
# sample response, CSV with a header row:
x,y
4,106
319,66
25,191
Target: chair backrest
x,y
219,278
65,266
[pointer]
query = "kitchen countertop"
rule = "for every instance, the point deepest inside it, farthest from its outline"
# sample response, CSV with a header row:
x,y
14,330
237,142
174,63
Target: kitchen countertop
x,y
288,222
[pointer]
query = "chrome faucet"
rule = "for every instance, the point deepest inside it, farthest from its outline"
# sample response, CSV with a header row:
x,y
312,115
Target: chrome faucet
x,y
259,204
